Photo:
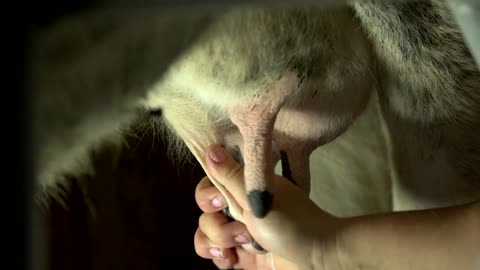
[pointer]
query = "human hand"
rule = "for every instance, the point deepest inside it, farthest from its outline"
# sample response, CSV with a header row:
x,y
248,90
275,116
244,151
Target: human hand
x,y
226,242
289,231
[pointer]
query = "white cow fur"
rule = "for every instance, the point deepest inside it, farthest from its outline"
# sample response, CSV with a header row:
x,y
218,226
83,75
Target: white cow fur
x,y
89,80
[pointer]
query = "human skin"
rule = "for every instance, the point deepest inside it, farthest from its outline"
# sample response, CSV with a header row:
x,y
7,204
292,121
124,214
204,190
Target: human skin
x,y
300,235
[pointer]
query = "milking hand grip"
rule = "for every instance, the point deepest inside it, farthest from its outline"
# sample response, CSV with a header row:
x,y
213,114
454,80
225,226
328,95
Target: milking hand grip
x,y
226,212
286,173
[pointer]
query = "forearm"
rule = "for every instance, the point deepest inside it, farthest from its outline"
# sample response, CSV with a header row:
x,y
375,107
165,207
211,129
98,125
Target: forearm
x,y
446,238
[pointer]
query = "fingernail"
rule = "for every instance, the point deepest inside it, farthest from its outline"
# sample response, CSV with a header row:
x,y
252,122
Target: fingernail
x,y
218,154
240,239
217,202
215,252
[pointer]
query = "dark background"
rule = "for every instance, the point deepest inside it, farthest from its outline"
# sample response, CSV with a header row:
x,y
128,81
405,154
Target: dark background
x,y
145,210
146,214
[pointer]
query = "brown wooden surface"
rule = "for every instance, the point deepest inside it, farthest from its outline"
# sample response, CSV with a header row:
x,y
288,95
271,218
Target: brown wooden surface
x,y
146,214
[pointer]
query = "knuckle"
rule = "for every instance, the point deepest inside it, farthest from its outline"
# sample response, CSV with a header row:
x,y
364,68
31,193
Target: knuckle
x,y
198,250
199,243
198,197
203,221
216,233
204,183
221,238
222,264
210,221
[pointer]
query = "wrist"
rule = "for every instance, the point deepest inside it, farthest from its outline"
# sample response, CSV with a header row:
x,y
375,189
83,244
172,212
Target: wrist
x,y
329,251
444,237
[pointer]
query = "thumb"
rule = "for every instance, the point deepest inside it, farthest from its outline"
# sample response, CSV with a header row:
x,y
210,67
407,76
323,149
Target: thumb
x,y
227,172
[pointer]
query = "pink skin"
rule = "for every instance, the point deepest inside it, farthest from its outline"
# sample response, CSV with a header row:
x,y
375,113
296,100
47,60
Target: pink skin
x,y
255,121
270,124
256,128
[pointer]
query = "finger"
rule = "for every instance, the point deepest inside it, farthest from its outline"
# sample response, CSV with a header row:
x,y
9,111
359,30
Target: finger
x,y
207,250
253,248
208,197
245,259
227,172
204,183
228,263
222,232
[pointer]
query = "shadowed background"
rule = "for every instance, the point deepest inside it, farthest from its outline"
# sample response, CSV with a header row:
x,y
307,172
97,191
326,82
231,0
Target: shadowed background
x,y
146,214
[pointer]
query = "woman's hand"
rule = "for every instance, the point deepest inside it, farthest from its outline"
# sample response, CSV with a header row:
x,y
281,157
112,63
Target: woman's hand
x,y
289,231
227,243
302,236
